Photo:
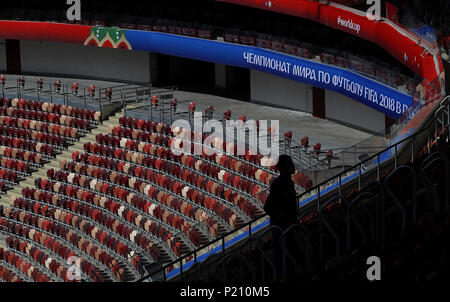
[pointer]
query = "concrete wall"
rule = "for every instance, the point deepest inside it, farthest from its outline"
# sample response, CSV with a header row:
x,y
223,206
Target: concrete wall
x,y
270,89
81,61
2,56
341,108
220,76
287,93
137,66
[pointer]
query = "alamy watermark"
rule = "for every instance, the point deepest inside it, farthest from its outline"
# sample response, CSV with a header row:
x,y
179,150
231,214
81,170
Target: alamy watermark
x,y
74,11
74,271
242,138
374,271
374,12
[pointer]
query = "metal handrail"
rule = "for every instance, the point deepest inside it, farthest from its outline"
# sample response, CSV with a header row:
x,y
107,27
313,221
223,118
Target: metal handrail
x,y
288,254
351,218
324,222
376,157
423,176
394,197
339,176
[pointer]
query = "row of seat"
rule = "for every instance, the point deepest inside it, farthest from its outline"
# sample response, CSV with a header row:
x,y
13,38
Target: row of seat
x,y
334,238
6,275
27,156
128,192
52,226
172,180
229,147
38,136
167,26
161,140
47,150
173,27
302,180
89,198
30,135
24,266
61,253
17,165
73,111
3,186
36,118
10,177
60,256
27,127
199,173
293,47
379,72
141,124
27,124
148,185
230,168
122,194
84,225
39,256
243,205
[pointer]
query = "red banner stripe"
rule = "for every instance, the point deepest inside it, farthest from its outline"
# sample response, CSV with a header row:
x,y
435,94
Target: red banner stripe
x,y
46,31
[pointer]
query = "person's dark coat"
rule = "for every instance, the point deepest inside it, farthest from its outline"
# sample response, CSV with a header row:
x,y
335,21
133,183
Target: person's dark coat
x,y
281,204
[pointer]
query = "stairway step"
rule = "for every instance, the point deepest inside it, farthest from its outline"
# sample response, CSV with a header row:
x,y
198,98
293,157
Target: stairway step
x,y
14,190
67,152
102,126
29,183
64,156
16,195
4,204
55,162
116,116
41,173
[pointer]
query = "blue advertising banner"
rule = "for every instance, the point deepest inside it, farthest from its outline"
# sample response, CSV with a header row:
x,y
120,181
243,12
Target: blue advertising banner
x,y
369,92
426,32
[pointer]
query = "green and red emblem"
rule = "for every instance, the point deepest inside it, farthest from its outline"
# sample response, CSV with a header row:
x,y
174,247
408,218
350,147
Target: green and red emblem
x,y
108,37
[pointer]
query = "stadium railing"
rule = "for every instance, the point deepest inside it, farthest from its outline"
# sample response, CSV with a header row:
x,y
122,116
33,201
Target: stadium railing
x,y
402,151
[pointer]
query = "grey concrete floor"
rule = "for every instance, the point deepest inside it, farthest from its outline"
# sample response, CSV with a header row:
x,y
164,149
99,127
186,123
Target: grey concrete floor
x,y
330,134
30,81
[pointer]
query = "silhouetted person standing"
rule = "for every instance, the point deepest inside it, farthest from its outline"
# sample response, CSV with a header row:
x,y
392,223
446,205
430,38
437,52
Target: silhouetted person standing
x,y
281,205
